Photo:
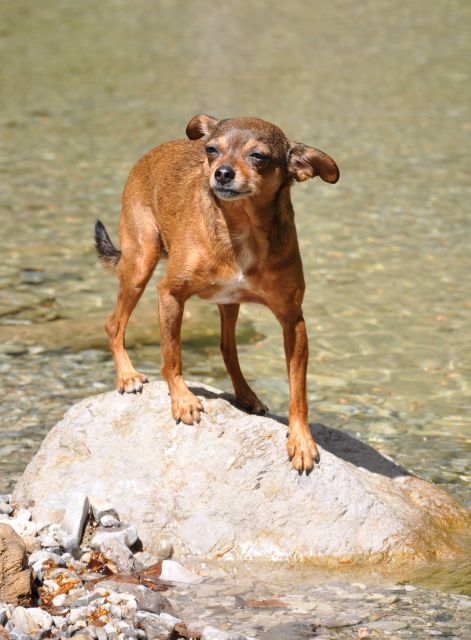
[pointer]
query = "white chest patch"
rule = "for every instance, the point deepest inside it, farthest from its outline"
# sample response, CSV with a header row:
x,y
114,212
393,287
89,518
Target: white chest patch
x,y
230,289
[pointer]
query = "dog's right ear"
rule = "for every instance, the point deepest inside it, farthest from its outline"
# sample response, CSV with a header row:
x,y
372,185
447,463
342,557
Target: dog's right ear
x,y
200,126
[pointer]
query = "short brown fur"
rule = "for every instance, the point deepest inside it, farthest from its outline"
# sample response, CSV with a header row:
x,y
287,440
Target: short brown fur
x,y
218,207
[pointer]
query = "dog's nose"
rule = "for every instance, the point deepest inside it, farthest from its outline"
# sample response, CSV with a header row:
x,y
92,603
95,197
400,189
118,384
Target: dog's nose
x,y
224,174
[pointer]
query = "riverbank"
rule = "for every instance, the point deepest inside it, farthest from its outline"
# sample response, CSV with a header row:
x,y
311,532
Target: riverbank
x,y
83,594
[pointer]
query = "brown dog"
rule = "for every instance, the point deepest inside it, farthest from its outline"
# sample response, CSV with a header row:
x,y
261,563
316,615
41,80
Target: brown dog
x,y
218,207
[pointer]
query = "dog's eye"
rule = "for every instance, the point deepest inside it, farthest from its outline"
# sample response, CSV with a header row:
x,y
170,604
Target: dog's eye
x,y
258,157
212,151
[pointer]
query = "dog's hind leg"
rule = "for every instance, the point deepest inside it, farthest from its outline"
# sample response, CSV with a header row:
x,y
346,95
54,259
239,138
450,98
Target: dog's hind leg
x,y
245,397
140,252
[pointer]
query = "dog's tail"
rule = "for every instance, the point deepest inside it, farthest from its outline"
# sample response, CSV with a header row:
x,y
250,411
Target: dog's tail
x,y
106,250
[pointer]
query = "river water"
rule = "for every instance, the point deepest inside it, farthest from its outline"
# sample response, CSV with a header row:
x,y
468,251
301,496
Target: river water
x,y
381,86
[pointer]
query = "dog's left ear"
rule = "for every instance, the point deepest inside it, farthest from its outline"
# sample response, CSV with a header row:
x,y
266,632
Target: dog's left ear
x,y
306,162
200,126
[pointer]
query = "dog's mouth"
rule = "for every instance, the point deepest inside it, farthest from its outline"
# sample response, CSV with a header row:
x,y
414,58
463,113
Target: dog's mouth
x,y
229,194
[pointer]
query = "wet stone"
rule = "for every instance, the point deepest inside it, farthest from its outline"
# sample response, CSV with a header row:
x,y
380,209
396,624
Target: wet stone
x,y
13,348
29,276
152,601
211,633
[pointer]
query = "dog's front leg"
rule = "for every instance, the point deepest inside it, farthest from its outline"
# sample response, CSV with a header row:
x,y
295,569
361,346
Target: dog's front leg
x,y
302,449
185,405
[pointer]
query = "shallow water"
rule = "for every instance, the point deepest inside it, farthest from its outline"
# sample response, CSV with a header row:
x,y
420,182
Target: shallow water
x,y
383,87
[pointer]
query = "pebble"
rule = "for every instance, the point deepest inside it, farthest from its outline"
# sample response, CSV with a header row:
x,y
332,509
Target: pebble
x,y
59,600
3,613
59,621
388,626
116,611
84,600
102,508
154,626
39,557
48,540
175,572
13,348
28,276
211,633
23,621
101,633
73,520
108,521
15,634
164,549
143,559
152,601
6,508
110,628
126,535
119,553
169,618
42,618
76,614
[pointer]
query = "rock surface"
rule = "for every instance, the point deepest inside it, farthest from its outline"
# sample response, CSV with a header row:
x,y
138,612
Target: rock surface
x,y
15,581
225,488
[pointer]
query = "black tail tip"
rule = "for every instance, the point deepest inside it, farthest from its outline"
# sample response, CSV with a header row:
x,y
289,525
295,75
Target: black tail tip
x,y
100,230
107,252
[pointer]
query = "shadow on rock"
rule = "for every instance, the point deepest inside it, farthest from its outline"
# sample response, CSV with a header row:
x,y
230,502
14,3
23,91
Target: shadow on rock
x,y
337,442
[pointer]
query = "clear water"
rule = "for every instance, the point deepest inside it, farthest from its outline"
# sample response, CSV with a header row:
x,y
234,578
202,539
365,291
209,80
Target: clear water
x,y
383,87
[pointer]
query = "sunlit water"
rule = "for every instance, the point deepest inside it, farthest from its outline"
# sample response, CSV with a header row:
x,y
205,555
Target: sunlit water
x,y
383,87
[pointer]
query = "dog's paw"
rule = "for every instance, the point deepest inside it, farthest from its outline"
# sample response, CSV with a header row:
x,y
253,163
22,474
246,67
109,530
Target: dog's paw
x,y
132,383
186,408
302,451
252,404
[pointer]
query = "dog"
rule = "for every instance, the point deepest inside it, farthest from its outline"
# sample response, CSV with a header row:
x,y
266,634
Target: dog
x,y
217,206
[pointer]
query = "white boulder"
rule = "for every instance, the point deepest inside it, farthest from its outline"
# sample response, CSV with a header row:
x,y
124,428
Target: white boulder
x,y
225,487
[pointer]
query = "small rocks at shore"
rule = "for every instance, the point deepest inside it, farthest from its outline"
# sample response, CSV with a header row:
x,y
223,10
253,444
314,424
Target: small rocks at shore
x,y
99,590
80,591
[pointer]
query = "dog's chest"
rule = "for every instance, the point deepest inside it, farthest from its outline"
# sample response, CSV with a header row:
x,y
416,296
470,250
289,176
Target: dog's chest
x,y
229,290
237,285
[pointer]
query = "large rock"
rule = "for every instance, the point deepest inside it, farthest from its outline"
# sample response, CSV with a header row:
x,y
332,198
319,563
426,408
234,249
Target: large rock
x,y
226,488
15,578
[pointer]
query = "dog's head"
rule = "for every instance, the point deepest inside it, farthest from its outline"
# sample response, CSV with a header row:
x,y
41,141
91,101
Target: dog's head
x,y
248,157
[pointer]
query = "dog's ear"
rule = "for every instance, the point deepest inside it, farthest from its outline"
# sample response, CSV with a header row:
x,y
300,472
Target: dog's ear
x,y
200,126
306,162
